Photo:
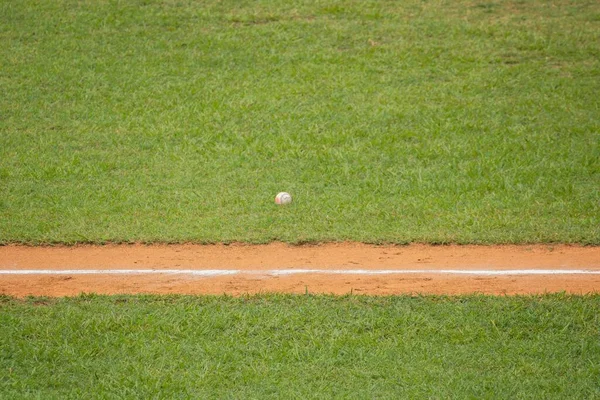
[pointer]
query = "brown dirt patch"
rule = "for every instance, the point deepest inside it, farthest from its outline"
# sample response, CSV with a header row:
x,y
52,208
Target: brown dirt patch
x,y
348,256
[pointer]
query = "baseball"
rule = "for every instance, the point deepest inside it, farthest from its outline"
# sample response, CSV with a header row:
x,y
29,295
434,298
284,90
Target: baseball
x,y
283,198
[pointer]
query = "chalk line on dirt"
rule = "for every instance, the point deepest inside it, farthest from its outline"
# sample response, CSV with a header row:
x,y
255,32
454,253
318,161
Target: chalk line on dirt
x,y
287,272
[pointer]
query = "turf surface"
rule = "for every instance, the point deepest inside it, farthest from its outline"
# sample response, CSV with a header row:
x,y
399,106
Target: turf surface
x,y
433,121
300,347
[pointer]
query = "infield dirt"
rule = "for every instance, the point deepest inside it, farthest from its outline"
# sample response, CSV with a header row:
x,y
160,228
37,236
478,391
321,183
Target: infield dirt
x,y
252,264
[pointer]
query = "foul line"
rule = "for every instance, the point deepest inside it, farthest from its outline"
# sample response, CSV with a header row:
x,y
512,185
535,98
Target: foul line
x,y
285,272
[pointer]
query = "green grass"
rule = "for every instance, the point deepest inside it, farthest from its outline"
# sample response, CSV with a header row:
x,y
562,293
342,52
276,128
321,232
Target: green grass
x,y
300,347
432,121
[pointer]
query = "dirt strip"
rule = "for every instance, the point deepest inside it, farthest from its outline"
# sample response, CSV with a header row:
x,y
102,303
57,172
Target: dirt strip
x,y
348,256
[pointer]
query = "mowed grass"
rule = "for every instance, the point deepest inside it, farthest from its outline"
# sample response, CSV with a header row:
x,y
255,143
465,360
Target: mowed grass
x,y
300,347
434,121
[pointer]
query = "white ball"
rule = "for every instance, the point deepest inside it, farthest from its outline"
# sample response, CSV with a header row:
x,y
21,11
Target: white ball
x,y
283,198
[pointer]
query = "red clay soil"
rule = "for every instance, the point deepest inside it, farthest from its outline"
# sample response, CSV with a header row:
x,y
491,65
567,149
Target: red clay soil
x,y
335,256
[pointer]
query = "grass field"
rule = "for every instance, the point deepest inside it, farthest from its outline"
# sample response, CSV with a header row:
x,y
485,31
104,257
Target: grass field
x,y
178,121
301,347
431,121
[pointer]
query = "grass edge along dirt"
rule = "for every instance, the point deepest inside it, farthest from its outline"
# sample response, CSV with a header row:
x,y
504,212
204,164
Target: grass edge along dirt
x,y
301,346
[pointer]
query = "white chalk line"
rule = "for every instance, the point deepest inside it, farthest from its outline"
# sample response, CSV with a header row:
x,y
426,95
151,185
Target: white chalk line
x,y
287,272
